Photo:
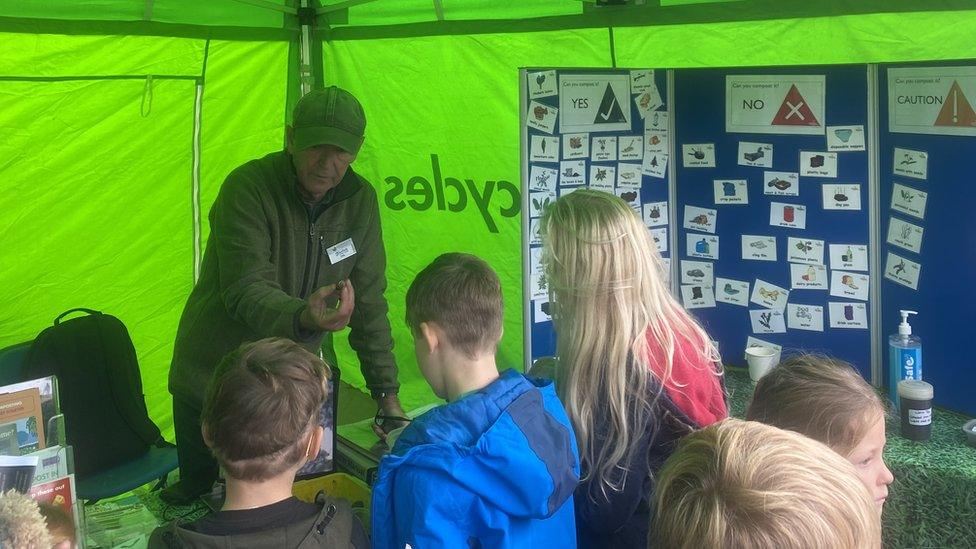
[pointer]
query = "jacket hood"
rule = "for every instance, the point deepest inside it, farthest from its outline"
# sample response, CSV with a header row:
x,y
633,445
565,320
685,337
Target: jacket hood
x,y
510,443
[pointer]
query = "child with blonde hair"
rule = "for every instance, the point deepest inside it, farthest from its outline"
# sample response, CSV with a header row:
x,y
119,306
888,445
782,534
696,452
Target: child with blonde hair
x,y
635,371
746,484
827,400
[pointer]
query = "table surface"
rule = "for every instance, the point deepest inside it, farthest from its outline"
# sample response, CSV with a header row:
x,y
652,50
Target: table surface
x,y
932,502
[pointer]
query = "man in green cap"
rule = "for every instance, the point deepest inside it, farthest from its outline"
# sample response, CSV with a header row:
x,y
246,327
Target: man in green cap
x,y
295,251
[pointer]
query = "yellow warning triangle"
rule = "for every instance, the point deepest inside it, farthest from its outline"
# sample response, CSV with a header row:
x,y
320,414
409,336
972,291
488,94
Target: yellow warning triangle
x,y
956,111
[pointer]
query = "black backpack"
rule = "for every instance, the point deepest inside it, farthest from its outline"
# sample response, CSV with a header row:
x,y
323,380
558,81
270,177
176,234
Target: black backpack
x,y
100,389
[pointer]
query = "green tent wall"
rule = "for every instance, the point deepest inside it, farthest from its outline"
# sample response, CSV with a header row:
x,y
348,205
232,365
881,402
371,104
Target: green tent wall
x,y
98,161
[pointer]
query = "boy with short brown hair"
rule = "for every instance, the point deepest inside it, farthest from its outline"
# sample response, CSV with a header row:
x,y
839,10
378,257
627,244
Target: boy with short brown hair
x,y
260,420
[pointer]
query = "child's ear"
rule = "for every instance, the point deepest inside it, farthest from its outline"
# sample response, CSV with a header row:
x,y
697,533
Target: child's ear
x,y
429,332
316,443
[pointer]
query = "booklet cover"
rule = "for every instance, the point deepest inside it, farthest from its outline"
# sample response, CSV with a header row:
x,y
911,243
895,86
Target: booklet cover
x,y
50,404
58,492
23,409
53,462
17,473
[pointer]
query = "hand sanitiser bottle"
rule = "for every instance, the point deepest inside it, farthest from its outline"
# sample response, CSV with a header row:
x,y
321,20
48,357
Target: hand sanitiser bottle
x,y
904,357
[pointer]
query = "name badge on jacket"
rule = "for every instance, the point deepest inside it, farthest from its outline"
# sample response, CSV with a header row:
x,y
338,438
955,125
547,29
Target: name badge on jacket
x,y
341,251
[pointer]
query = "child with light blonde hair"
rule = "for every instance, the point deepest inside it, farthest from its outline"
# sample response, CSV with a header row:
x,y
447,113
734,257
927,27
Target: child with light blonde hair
x,y
635,371
827,400
746,484
21,523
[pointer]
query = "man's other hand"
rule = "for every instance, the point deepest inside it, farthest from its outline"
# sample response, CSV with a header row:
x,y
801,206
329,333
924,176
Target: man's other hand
x,y
323,313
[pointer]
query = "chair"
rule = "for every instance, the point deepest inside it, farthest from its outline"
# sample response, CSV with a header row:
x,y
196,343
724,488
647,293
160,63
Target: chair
x,y
155,465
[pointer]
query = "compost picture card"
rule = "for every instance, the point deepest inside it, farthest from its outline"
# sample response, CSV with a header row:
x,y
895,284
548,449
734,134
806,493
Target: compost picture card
x,y
576,145
628,175
818,164
788,215
699,155
656,121
535,260
535,237
602,177
845,138
903,271
759,248
660,237
542,178
631,197
906,235
697,272
804,317
849,257
656,141
731,191
841,196
603,148
572,173
655,164
909,163
756,342
538,286
647,102
909,200
849,284
702,245
631,147
541,117
697,296
769,295
804,250
541,307
656,214
541,84
641,80
767,321
538,202
808,277
781,183
733,292
848,315
544,149
700,219
755,154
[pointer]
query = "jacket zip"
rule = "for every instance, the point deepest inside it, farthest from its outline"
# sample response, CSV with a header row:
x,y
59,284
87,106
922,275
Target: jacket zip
x,y
308,256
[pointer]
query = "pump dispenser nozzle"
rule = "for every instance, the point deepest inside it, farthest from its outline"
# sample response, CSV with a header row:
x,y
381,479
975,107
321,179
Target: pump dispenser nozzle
x,y
905,328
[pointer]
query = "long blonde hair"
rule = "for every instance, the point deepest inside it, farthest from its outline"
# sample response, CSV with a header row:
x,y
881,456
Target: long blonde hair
x,y
745,484
609,296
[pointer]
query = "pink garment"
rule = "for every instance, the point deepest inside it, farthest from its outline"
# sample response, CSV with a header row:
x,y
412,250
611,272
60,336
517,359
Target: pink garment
x,y
693,384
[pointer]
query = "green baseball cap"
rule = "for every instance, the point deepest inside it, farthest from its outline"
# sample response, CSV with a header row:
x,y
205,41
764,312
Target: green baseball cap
x,y
329,117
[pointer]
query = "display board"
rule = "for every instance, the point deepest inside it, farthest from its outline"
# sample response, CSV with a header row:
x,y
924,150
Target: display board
x,y
927,146
605,129
772,196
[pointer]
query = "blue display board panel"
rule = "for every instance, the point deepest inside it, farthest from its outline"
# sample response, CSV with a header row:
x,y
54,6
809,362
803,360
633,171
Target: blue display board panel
x,y
700,118
944,296
542,337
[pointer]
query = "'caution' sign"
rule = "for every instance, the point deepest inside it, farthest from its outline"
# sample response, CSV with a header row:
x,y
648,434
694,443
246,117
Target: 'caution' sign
x,y
785,104
594,102
932,100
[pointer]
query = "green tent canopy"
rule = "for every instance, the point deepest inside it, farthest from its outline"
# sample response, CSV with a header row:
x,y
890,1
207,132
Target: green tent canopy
x,y
119,120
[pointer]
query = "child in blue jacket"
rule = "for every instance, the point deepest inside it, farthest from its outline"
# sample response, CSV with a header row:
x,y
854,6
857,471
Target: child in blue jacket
x,y
497,465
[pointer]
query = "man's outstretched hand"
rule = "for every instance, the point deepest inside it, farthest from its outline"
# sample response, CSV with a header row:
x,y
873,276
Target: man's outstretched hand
x,y
323,313
387,416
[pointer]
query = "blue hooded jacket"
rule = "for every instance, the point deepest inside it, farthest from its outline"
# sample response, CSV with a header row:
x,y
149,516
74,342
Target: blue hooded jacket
x,y
496,468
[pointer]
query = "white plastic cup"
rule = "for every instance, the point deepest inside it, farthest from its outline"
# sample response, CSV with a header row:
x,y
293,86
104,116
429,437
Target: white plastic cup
x,y
761,360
